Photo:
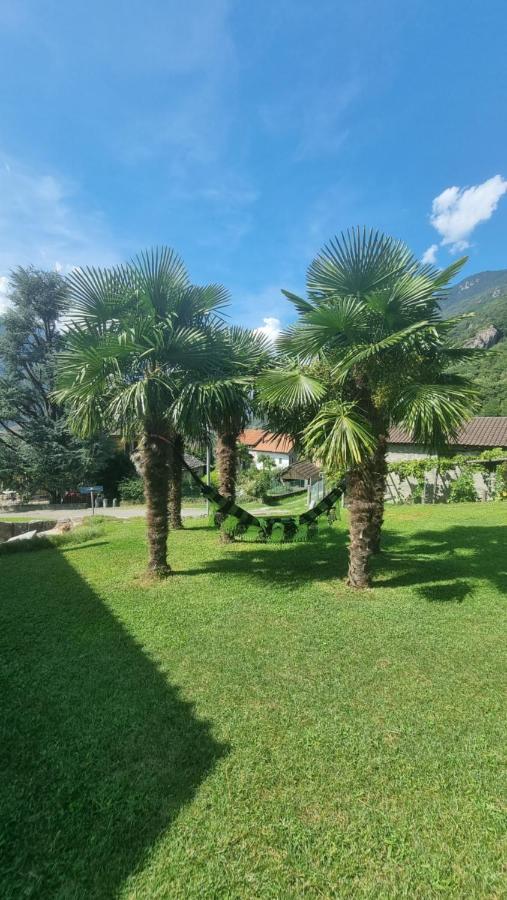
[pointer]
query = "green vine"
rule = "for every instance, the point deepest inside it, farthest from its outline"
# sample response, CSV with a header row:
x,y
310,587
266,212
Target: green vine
x,y
417,469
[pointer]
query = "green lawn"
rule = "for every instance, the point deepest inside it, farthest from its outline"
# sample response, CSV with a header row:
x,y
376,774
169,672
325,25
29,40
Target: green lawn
x,y
294,505
251,728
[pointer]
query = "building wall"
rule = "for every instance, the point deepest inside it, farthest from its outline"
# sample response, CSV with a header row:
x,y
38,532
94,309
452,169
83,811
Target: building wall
x,y
406,452
281,460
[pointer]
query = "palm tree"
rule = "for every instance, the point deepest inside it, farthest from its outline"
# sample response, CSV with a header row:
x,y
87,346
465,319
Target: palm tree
x,y
229,415
139,334
223,404
369,349
176,481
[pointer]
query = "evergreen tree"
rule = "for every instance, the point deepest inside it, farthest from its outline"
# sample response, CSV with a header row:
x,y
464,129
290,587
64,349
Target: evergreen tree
x,y
38,453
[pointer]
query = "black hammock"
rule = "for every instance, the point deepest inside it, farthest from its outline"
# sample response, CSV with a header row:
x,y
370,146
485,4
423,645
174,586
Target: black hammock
x,y
238,521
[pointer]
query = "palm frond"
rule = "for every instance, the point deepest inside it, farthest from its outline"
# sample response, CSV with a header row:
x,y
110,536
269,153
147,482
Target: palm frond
x,y
339,436
301,305
247,350
200,301
289,388
363,352
218,403
356,262
98,296
442,277
338,323
158,275
433,413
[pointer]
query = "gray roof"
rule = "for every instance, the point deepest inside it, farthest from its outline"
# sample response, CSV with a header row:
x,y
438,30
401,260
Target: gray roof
x,y
192,461
481,431
304,469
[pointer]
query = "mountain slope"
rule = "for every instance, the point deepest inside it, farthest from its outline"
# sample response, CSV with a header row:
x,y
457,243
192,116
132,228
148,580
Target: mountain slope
x,y
484,295
476,292
489,373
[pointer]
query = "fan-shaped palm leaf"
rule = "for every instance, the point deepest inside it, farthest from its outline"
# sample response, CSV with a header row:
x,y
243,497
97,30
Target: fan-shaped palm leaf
x,y
339,436
290,388
433,413
356,262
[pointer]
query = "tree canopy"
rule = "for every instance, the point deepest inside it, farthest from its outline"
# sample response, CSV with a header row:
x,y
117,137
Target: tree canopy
x,y
38,451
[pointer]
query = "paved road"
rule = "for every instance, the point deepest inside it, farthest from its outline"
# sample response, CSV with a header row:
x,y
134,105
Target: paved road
x,y
121,512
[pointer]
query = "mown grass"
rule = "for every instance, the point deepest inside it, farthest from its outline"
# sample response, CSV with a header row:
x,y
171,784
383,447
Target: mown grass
x,y
251,728
295,504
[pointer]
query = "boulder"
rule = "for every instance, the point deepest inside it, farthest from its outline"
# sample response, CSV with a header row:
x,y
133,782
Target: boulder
x,y
26,536
484,339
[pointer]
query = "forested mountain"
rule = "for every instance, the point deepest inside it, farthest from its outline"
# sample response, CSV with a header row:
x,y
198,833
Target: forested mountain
x,y
484,295
475,292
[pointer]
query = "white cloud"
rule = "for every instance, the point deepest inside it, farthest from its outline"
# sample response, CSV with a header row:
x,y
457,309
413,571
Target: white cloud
x,y
430,255
271,327
456,212
43,222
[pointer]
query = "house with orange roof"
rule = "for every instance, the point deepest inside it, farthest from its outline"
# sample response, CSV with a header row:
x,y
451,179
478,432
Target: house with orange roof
x,y
263,445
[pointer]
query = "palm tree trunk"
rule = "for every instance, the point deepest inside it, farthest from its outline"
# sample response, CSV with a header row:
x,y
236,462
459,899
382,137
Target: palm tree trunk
x,y
379,465
175,485
155,454
361,515
227,461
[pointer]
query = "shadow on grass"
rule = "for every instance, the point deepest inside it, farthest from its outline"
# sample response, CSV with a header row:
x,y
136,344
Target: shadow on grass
x,y
447,592
442,563
323,558
98,753
85,546
438,563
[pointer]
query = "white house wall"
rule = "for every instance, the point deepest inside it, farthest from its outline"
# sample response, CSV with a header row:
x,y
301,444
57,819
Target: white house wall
x,y
281,460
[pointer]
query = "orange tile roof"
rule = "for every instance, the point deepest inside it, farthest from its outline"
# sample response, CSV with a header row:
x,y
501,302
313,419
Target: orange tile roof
x,y
266,441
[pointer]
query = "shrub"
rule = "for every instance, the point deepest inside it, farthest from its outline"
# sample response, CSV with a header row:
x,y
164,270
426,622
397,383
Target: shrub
x,y
255,484
417,492
495,453
501,481
462,490
132,490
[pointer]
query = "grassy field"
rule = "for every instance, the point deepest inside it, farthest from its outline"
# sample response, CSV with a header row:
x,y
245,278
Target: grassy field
x,y
251,728
294,505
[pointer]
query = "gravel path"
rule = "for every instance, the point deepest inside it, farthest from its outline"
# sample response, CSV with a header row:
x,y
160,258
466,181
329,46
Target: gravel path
x,y
121,512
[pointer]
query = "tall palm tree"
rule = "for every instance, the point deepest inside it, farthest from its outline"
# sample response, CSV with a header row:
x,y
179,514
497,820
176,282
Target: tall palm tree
x,y
223,404
369,349
229,415
139,334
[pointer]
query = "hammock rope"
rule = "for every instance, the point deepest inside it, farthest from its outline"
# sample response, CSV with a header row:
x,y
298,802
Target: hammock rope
x,y
291,527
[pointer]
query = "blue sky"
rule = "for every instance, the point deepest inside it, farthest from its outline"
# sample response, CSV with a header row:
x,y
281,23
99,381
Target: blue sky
x,y
245,135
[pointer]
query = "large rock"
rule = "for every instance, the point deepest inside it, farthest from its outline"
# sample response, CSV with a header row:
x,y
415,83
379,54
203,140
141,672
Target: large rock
x,y
485,338
26,536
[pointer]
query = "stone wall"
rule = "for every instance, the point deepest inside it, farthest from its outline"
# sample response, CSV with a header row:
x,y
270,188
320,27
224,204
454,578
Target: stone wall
x,y
12,529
